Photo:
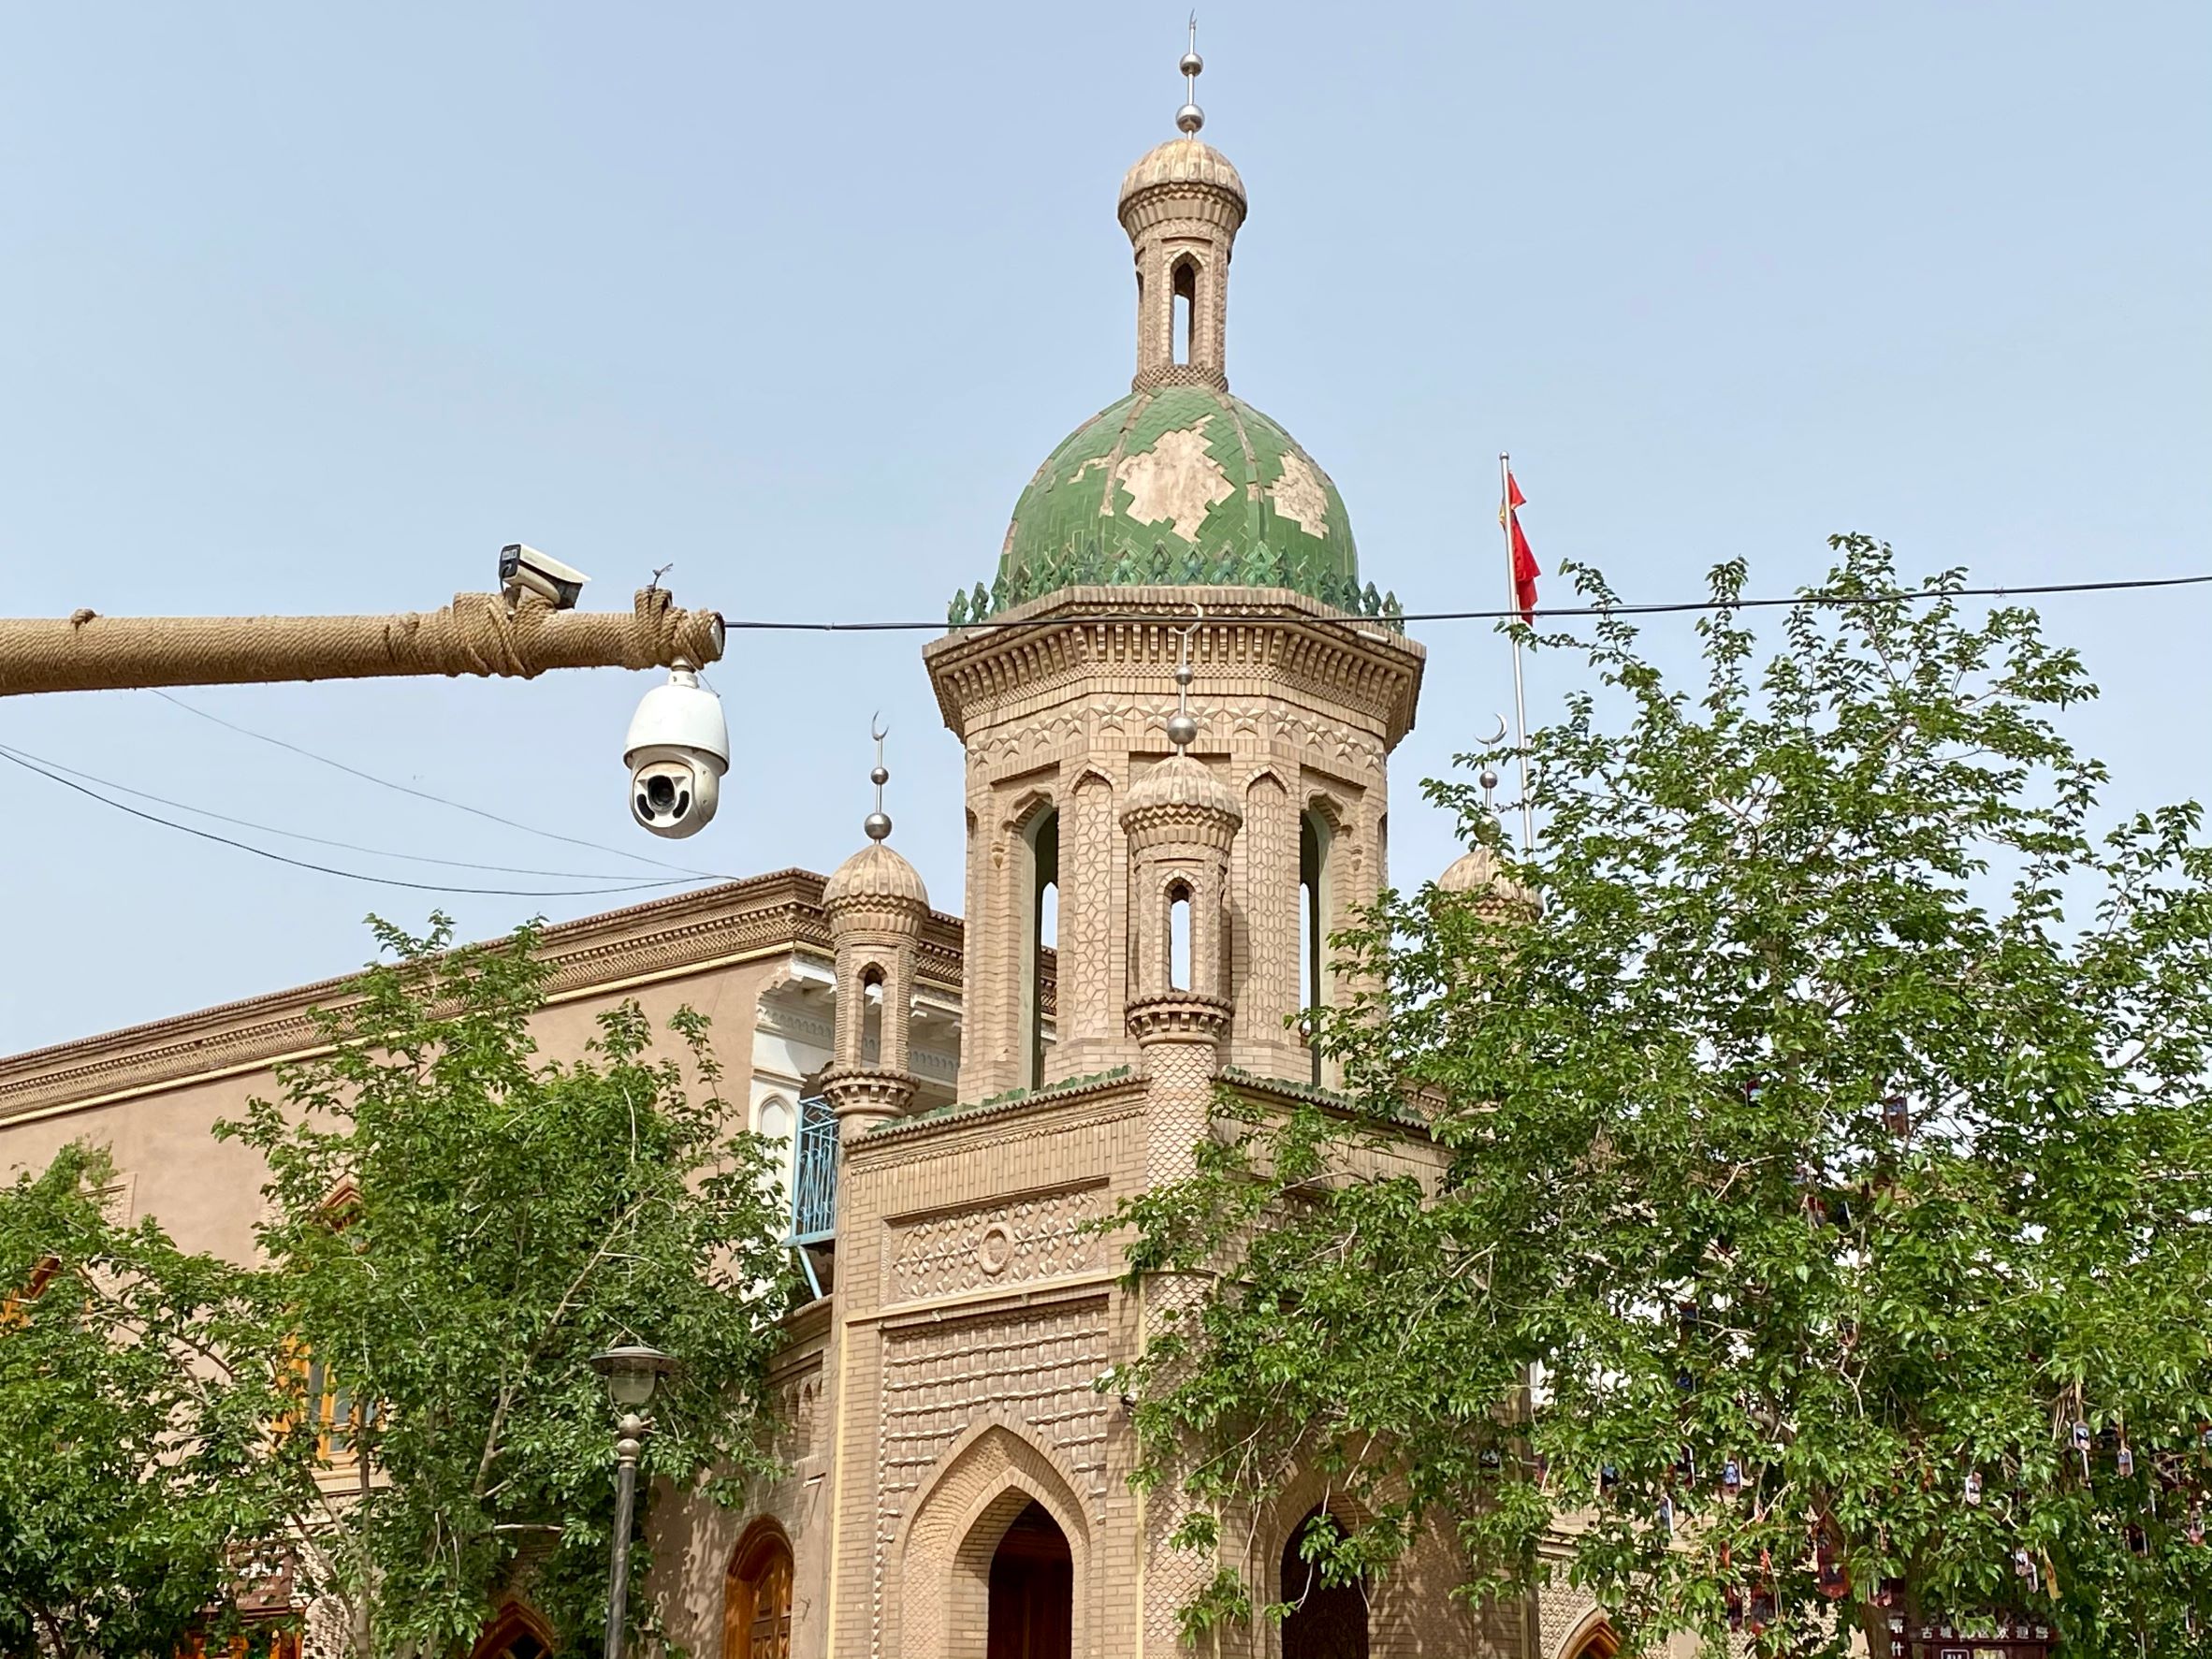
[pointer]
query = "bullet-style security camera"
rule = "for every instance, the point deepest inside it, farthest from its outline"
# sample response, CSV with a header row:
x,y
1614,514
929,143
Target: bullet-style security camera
x,y
677,751
522,566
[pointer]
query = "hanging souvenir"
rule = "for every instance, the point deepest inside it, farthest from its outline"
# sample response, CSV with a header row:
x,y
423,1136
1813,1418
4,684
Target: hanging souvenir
x,y
1685,1467
1974,1489
1828,1567
1896,1116
2125,1460
1608,1477
1666,1514
1732,1598
2081,1444
1890,1593
1761,1613
2196,1524
2023,1569
1731,1476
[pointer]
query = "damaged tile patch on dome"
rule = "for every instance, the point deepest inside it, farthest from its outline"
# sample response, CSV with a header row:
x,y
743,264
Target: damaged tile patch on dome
x,y
1301,495
1175,482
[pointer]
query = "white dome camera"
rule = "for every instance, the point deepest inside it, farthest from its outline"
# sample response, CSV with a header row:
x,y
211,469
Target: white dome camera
x,y
677,751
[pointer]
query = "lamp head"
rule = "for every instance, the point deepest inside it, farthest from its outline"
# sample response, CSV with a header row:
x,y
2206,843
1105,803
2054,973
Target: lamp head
x,y
632,1373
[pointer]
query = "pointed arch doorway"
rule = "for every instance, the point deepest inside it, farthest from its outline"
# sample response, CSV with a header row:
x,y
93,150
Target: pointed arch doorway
x,y
1032,1608
1327,1621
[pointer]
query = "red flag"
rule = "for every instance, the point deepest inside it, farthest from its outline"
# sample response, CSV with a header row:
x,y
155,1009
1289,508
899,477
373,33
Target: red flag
x,y
1524,562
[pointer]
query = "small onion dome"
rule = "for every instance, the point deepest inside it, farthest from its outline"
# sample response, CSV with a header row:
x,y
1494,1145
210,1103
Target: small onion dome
x,y
875,873
1181,781
1483,871
1183,161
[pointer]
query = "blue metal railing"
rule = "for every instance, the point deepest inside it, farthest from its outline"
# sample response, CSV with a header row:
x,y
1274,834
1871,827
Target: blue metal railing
x,y
814,1183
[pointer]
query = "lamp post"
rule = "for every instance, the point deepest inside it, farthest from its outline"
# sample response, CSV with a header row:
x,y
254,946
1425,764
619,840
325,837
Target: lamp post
x,y
632,1374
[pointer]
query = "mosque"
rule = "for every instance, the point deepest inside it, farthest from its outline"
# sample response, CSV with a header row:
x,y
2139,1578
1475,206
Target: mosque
x,y
1177,702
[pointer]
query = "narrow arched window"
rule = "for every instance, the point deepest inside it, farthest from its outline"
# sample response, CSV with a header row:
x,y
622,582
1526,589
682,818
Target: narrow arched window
x,y
1042,839
1313,922
1179,938
871,1015
1185,321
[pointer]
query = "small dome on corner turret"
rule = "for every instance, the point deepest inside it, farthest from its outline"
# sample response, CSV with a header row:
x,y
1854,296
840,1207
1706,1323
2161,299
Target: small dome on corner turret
x,y
875,873
1181,161
1483,872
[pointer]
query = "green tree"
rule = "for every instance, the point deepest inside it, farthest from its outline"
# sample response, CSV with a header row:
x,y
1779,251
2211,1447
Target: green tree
x,y
134,1396
456,1225
1824,1230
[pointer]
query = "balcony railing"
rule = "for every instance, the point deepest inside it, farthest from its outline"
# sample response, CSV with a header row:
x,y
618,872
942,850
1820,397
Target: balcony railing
x,y
814,1184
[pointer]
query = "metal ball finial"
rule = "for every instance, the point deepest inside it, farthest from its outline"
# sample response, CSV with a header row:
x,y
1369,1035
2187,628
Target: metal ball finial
x,y
1190,117
1182,730
877,825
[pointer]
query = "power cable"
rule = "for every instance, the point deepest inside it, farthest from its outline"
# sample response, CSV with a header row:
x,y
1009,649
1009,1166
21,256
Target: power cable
x,y
325,869
1908,595
423,795
270,829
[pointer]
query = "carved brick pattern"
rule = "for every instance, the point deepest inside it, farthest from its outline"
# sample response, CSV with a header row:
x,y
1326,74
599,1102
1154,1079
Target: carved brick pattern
x,y
1002,1243
1033,1367
1179,1099
1086,906
1560,1614
1268,990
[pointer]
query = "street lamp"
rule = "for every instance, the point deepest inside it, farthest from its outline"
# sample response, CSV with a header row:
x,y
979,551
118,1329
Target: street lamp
x,y
632,1374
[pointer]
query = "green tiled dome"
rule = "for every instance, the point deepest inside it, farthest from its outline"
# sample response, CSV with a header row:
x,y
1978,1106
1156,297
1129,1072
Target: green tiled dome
x,y
1177,483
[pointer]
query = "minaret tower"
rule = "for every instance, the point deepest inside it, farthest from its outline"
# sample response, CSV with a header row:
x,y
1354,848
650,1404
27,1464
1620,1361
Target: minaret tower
x,y
875,905
1179,525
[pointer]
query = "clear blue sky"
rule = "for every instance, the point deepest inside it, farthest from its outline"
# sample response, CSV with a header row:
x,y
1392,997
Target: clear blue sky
x,y
312,309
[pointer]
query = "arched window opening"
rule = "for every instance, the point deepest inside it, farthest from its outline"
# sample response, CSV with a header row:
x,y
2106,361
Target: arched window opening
x,y
1599,1643
1185,304
1327,1621
1032,1611
756,1602
1179,938
1043,840
871,1015
1313,922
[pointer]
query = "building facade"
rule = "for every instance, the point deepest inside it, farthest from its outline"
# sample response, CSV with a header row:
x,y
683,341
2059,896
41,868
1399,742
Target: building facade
x,y
1176,700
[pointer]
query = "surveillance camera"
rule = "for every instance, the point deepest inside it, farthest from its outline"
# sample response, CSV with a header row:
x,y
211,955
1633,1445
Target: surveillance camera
x,y
677,751
522,566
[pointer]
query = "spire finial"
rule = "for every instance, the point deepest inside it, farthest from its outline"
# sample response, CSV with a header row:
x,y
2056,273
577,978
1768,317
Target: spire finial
x,y
879,821
1182,728
1190,117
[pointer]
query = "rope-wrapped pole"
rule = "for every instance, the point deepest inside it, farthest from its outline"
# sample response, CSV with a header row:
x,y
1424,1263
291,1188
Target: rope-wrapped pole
x,y
479,633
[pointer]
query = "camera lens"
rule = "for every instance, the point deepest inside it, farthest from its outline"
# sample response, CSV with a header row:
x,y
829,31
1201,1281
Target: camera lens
x,y
660,791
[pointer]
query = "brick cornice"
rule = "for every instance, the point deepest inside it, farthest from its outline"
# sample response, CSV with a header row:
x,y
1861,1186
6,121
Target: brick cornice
x,y
1269,633
755,917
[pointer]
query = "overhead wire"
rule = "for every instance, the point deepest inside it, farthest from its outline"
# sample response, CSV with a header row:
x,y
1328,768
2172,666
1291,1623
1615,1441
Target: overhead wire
x,y
16,760
270,829
54,772
423,795
1908,595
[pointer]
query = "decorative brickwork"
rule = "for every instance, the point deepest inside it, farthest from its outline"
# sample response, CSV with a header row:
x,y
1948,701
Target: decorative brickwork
x,y
1040,1236
1030,1371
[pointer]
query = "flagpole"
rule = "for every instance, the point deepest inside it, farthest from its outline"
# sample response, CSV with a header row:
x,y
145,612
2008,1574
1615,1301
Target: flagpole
x,y
1528,832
